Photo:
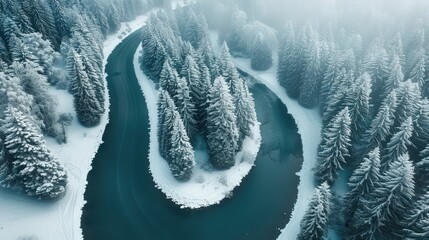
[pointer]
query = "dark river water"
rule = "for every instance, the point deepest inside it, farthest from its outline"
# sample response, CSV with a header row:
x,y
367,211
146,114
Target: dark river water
x,y
123,204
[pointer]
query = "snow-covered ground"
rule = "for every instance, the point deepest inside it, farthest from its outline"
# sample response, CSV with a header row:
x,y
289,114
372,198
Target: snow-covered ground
x,y
309,127
22,217
205,187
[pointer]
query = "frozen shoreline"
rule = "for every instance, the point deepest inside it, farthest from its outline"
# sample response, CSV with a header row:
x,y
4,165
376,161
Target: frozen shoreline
x,y
25,217
309,127
204,188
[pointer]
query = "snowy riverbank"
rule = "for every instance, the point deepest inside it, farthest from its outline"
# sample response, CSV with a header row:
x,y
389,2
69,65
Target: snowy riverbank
x,y
309,127
205,188
22,217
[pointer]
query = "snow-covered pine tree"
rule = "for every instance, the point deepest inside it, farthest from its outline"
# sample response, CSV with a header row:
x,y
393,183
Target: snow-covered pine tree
x,y
421,124
191,73
397,48
386,206
289,68
4,53
113,18
361,183
422,166
87,107
206,56
377,65
225,58
153,54
168,78
334,148
13,95
244,109
398,144
234,32
418,70
166,110
312,75
18,15
45,56
8,29
186,108
331,74
181,154
19,51
261,58
96,80
206,83
396,77
341,95
314,223
417,221
32,167
60,19
36,84
408,100
360,108
380,127
222,131
43,21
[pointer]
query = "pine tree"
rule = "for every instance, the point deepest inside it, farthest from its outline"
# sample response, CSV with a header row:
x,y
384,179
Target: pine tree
x,y
377,65
191,72
331,74
166,109
315,221
13,95
289,68
21,19
96,80
154,54
417,221
422,166
380,126
386,206
362,182
397,49
20,52
8,29
408,100
312,75
418,71
360,108
398,144
421,123
341,92
169,78
181,153
261,55
334,148
396,77
59,16
32,167
186,108
245,111
36,84
113,18
87,107
222,132
43,21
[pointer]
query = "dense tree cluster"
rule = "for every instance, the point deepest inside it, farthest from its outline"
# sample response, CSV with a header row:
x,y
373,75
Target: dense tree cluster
x,y
373,103
200,94
46,44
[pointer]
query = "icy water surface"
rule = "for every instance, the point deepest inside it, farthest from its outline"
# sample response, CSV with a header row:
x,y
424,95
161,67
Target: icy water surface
x,y
122,202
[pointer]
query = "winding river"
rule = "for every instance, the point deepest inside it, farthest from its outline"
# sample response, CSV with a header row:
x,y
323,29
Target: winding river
x,y
123,203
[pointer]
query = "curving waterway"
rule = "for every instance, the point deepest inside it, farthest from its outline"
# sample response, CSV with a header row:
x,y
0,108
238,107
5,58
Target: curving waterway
x,y
122,202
